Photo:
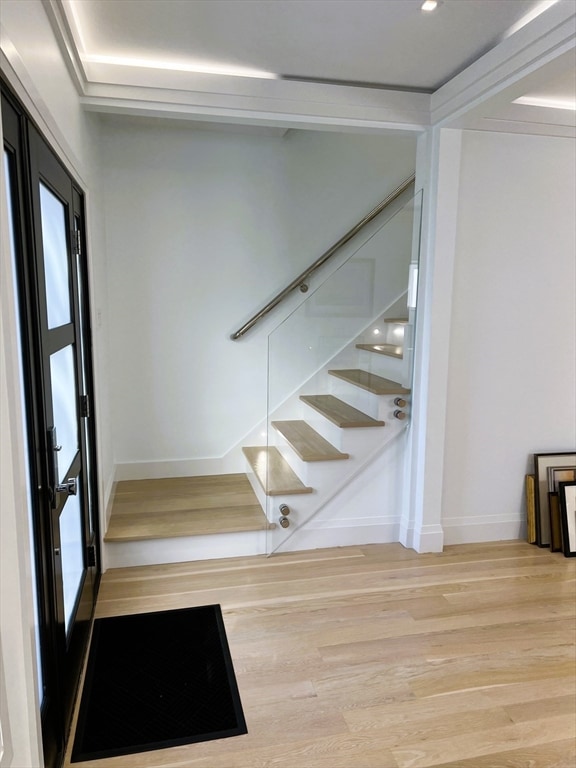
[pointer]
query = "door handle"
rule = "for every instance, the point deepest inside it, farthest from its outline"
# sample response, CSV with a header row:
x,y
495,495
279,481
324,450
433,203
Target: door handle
x,y
69,486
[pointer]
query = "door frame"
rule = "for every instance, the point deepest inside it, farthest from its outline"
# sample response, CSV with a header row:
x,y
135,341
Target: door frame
x,y
57,708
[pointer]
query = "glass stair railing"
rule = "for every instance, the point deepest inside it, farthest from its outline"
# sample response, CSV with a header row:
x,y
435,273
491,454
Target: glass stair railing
x,y
339,377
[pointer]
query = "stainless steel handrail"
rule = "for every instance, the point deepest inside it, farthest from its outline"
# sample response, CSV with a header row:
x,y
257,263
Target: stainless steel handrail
x,y
299,282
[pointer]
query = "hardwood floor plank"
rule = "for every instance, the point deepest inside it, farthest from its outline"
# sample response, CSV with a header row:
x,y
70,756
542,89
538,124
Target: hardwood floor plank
x,y
559,754
376,657
488,742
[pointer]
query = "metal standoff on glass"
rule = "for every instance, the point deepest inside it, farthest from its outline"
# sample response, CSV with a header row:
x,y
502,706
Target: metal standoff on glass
x,y
303,287
399,415
284,522
400,402
284,510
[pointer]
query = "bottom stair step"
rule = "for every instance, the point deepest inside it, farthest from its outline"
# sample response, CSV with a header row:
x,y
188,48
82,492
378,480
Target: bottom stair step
x,y
339,412
274,473
307,443
183,506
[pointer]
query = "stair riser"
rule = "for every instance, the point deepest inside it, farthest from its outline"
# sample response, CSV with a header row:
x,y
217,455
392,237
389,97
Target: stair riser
x,y
312,473
358,443
382,365
184,549
256,486
302,507
380,407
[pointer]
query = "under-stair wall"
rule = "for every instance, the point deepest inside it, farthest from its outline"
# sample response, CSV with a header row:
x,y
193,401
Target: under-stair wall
x,y
201,229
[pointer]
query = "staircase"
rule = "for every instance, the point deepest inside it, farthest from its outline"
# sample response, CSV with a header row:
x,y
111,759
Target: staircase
x,y
307,459
337,398
336,432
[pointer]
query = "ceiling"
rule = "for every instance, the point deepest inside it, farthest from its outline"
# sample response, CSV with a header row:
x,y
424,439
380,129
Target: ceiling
x,y
376,44
385,42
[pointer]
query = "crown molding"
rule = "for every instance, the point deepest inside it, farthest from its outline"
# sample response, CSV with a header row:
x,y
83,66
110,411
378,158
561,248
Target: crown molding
x,y
548,37
60,23
479,97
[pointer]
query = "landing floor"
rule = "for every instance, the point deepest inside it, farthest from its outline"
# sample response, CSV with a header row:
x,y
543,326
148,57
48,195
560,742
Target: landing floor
x,y
183,506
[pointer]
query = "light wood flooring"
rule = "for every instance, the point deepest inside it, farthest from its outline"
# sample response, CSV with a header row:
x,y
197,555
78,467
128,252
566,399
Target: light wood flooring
x,y
377,657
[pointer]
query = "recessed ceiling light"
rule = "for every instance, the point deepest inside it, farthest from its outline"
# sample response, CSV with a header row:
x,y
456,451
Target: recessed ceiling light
x,y
429,5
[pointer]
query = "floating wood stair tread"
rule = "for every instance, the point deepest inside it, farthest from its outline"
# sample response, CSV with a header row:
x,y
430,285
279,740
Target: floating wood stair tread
x,y
183,506
339,412
397,320
274,473
370,382
383,349
307,443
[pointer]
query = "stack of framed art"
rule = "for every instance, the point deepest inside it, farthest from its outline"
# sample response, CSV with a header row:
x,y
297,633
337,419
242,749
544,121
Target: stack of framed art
x,y
551,502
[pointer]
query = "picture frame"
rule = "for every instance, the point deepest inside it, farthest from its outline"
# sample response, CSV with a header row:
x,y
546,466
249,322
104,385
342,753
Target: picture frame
x,y
529,488
567,494
555,523
557,475
543,462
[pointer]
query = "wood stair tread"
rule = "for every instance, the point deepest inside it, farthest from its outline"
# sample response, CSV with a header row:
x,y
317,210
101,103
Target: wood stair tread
x,y
397,320
183,506
274,473
306,442
339,412
392,350
378,385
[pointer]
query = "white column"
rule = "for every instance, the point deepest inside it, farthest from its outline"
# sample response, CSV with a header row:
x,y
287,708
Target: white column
x,y
437,173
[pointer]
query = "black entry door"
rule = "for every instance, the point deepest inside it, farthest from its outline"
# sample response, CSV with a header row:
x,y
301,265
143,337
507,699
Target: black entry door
x,y
47,239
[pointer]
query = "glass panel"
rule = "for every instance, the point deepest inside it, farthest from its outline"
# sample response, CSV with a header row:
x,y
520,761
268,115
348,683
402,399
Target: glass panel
x,y
64,407
53,214
8,179
355,305
72,554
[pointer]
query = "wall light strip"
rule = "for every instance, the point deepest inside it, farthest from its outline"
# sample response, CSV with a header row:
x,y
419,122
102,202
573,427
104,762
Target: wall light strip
x,y
530,16
535,101
178,66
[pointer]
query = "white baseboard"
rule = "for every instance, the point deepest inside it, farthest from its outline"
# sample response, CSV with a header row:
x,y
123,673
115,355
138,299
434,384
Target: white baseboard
x,y
144,470
472,530
323,534
427,538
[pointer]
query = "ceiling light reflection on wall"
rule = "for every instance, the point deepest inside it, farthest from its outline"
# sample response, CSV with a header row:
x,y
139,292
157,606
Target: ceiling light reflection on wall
x,y
549,103
530,16
178,66
429,5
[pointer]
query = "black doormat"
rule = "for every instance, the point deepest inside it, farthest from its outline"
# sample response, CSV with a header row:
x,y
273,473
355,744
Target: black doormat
x,y
157,680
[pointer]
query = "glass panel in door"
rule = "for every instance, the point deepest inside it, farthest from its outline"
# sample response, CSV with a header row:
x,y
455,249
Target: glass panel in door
x,y
64,409
55,258
72,555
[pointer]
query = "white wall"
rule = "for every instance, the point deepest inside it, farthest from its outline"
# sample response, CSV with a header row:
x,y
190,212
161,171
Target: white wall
x,y
202,229
512,379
